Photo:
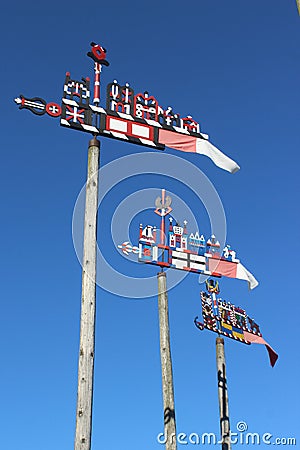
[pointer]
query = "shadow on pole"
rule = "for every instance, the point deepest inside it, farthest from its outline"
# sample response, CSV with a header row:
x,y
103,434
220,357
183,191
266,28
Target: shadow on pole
x,y
223,394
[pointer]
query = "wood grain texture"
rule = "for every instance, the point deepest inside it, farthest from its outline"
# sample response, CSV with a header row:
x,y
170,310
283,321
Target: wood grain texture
x,y
166,364
88,305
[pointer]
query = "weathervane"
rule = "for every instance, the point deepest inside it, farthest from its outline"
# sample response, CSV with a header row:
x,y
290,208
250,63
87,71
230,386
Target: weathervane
x,y
229,320
134,118
182,250
233,322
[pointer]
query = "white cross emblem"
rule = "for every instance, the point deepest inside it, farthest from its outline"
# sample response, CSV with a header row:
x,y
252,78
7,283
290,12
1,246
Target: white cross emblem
x,y
75,115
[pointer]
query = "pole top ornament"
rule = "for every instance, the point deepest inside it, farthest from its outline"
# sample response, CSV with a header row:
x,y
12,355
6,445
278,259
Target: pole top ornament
x,y
98,54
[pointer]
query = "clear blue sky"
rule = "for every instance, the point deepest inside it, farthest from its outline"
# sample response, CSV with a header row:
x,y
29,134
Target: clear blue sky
x,y
234,66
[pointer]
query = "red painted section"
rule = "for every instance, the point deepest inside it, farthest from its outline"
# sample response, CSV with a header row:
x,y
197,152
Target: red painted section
x,y
129,128
221,267
99,52
53,109
164,264
215,274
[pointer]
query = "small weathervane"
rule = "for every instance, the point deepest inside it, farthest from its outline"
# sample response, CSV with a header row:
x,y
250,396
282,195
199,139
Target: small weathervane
x,y
177,248
229,320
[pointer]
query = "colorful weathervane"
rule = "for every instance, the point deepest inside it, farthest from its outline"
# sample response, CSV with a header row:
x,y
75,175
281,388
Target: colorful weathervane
x,y
228,320
135,118
177,248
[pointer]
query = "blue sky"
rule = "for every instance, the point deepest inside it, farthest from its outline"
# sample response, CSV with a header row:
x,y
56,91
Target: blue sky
x,y
234,66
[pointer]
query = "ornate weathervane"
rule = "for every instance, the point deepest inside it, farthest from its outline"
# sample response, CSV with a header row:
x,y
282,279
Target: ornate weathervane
x,y
177,248
135,118
128,116
233,322
229,320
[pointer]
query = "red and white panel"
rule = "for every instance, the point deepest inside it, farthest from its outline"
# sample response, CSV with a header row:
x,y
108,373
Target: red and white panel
x,y
128,128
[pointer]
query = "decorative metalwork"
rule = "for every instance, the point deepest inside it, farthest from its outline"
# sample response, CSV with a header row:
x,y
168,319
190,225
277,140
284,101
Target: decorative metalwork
x,y
135,118
225,318
229,320
127,248
38,106
163,209
177,248
131,117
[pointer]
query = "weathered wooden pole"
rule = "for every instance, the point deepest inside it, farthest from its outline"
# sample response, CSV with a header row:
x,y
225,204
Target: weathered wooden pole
x,y
166,364
88,305
223,395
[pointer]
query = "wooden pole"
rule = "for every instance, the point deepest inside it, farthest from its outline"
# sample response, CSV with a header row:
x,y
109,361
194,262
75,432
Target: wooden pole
x,y
166,364
88,305
223,395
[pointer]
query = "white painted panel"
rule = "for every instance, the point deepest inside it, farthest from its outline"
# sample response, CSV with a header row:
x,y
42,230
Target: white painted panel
x,y
179,254
179,264
198,258
139,130
118,125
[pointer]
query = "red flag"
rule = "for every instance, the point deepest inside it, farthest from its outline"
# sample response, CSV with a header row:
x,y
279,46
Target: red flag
x,y
259,340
